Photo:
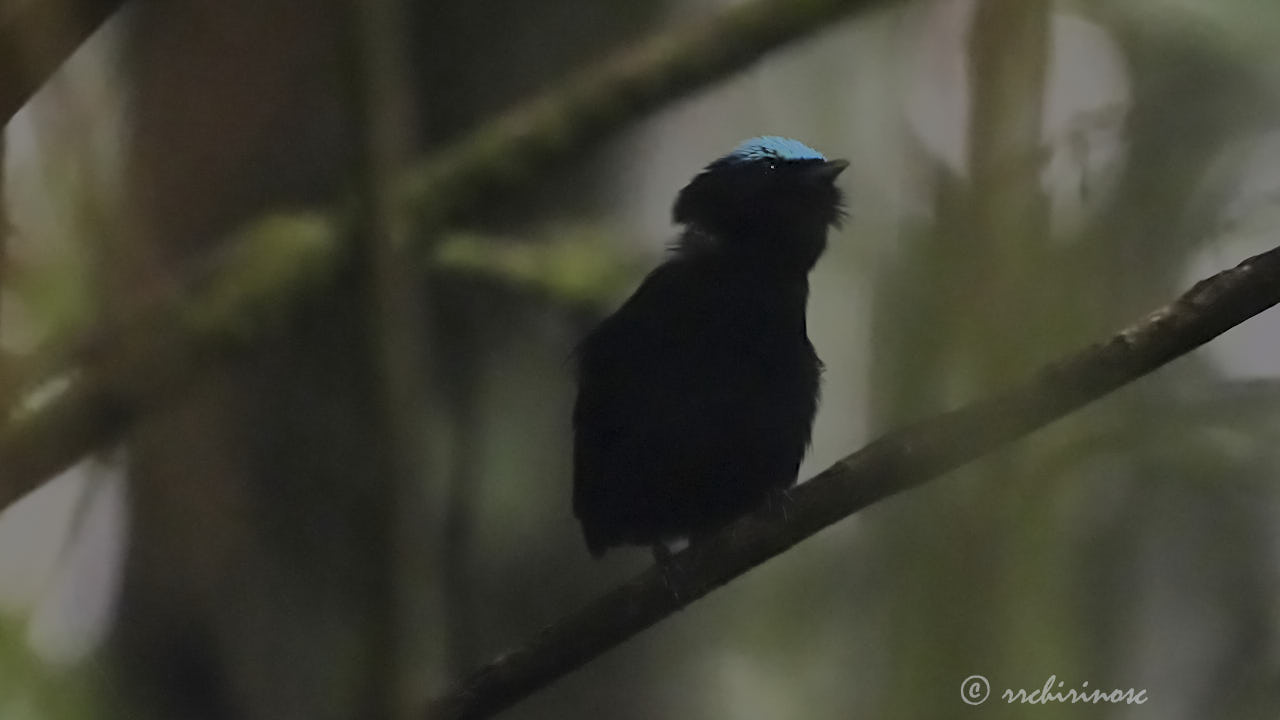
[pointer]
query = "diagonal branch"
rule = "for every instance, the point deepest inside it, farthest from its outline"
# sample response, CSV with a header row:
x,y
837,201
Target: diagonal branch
x,y
898,461
516,147
96,401
36,36
132,368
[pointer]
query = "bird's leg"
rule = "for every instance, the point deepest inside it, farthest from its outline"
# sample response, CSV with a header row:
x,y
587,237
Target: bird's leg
x,y
777,503
668,569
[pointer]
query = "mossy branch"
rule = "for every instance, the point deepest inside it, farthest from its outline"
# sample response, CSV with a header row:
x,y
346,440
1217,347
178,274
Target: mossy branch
x,y
632,84
895,462
90,405
262,274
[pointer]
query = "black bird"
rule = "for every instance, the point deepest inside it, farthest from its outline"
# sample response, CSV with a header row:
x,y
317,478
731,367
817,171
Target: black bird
x,y
696,398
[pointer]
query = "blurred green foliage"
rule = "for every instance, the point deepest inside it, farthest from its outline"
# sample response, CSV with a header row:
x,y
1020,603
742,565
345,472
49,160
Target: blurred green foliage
x,y
1130,545
570,265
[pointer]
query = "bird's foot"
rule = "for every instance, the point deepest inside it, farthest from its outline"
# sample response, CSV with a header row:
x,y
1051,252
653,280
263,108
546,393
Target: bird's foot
x,y
669,569
777,504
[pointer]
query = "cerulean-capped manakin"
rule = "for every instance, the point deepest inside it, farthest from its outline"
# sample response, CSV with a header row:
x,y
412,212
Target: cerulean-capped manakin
x,y
696,398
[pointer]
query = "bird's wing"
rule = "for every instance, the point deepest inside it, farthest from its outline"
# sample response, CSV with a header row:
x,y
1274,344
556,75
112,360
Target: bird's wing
x,y
624,367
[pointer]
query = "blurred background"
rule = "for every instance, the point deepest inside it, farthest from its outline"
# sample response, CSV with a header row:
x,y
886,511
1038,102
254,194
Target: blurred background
x,y
342,512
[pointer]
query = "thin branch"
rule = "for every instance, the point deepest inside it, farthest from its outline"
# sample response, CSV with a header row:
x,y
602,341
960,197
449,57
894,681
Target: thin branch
x,y
264,273
36,37
523,143
7,384
95,405
896,462
386,288
4,246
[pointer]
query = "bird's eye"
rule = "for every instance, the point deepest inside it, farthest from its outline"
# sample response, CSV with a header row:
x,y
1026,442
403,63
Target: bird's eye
x,y
773,165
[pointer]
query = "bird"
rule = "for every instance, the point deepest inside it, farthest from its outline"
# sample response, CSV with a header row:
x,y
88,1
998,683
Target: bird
x,y
696,397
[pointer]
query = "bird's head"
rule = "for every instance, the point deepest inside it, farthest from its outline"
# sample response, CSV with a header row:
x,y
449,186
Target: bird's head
x,y
770,194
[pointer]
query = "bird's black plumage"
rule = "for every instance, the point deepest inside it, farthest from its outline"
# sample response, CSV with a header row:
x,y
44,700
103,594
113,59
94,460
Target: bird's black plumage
x,y
696,398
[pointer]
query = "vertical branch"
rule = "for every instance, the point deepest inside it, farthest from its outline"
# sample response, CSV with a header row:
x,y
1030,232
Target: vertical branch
x,y
460,381
1009,225
391,296
1008,61
6,383
4,243
957,312
1008,216
10,373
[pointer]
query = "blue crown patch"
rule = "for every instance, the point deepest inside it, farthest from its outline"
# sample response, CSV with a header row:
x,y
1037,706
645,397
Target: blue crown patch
x,y
773,147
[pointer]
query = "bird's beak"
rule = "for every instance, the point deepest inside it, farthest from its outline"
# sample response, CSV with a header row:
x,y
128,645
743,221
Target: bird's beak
x,y
828,171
